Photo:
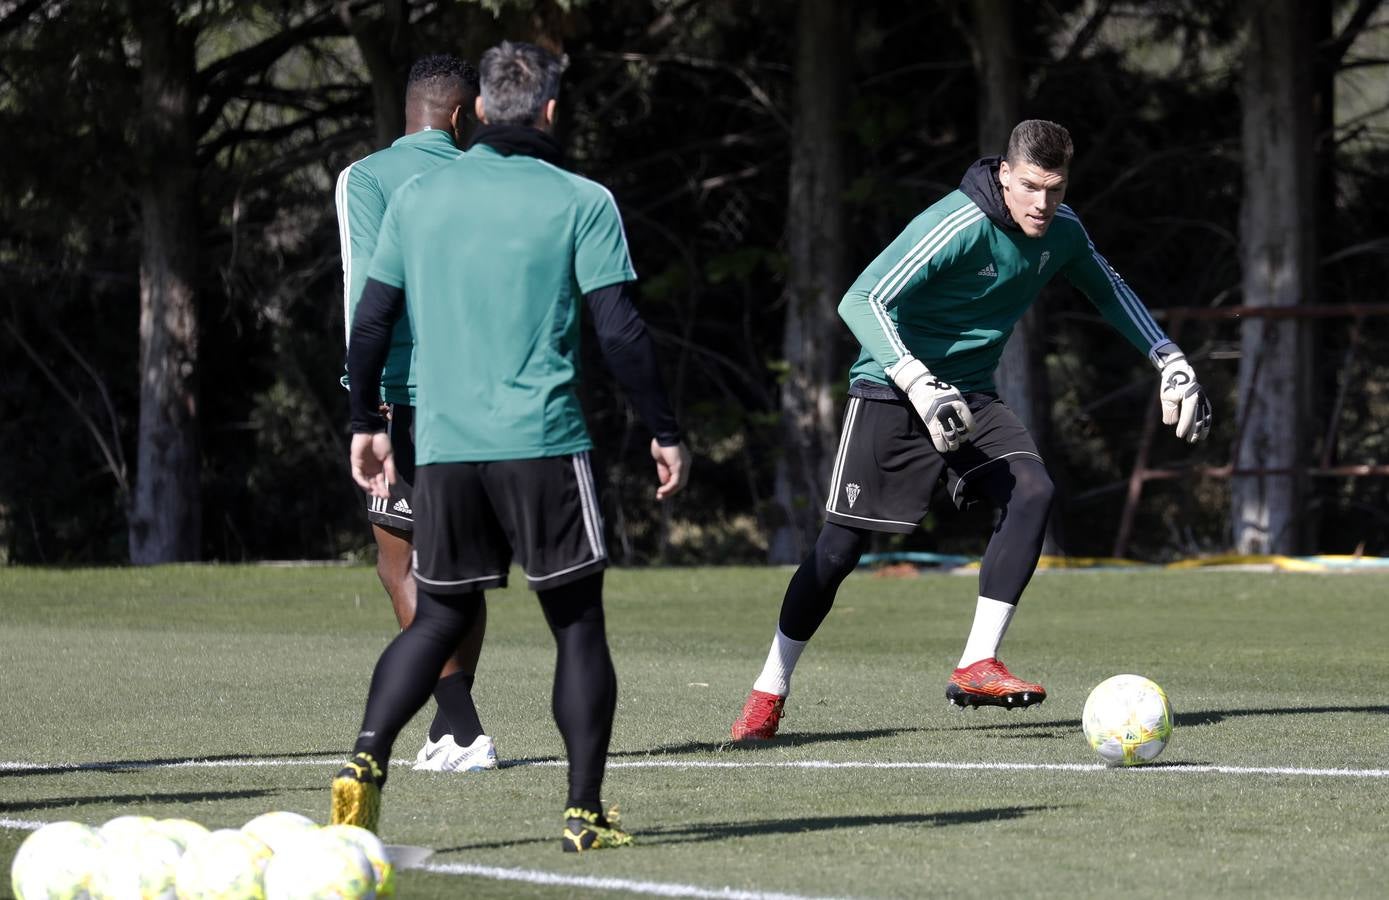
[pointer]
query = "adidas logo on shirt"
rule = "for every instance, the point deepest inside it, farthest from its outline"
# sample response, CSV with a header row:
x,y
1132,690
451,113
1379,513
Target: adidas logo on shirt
x,y
988,271
401,506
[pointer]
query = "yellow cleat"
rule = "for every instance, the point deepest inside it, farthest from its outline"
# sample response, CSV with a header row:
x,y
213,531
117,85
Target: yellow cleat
x,y
584,830
357,793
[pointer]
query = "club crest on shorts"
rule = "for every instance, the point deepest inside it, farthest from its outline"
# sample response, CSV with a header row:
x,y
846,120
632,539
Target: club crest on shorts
x,y
851,491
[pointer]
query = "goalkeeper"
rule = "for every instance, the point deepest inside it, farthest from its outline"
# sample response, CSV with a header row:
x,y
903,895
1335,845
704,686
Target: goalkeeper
x,y
932,314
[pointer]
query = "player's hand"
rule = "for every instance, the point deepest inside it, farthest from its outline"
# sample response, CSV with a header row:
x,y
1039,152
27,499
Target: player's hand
x,y
940,405
672,467
373,467
1184,401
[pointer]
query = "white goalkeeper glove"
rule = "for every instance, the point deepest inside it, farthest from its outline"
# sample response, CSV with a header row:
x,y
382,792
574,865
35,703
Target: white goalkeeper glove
x,y
1184,402
940,406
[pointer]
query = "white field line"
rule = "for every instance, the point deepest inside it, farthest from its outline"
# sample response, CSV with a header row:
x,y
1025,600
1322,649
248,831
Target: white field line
x,y
555,879
676,889
1173,769
651,888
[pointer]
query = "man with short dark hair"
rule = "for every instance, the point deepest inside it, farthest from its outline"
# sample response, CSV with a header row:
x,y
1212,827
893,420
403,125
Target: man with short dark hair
x,y
439,95
491,254
932,314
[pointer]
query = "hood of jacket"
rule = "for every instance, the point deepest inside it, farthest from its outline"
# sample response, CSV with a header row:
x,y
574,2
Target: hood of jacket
x,y
980,184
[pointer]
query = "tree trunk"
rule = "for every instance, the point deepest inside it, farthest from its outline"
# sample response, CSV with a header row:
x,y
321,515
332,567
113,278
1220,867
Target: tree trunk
x,y
384,45
166,510
815,244
1021,377
1277,241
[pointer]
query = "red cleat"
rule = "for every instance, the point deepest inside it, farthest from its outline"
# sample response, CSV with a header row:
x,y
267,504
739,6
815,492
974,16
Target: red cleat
x,y
989,683
760,717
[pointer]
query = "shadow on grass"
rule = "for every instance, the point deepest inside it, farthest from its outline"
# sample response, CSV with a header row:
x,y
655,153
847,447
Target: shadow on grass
x,y
122,799
701,832
728,745
126,765
1179,719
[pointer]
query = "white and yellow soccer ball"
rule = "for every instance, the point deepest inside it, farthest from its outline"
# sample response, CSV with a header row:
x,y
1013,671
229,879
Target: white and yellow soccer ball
x,y
279,828
1127,720
320,865
375,852
184,832
228,864
56,862
137,865
122,827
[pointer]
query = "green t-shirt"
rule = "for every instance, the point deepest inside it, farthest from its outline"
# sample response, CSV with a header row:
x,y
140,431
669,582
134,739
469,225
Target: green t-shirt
x,y
362,192
951,286
495,253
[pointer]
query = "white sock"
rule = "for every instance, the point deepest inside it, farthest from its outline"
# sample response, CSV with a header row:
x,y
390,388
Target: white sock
x,y
991,618
781,662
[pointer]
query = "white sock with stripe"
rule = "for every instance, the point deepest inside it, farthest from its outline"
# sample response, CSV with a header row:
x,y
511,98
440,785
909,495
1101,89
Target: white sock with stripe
x,y
781,662
991,618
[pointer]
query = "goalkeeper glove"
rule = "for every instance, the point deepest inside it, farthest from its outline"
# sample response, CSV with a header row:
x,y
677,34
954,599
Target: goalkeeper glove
x,y
1184,402
940,406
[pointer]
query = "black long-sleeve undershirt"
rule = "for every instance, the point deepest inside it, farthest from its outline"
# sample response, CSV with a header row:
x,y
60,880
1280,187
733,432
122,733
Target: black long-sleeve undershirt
x,y
622,336
368,345
630,354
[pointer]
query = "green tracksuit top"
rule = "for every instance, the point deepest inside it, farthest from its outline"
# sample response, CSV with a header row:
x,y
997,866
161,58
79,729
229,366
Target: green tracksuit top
x,y
363,190
951,286
493,288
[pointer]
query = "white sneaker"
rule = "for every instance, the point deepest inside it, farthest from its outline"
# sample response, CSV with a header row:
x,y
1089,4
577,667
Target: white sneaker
x,y
479,755
432,755
444,755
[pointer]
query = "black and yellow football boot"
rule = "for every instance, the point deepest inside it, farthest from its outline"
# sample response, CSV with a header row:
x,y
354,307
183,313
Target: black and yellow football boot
x,y
586,830
357,793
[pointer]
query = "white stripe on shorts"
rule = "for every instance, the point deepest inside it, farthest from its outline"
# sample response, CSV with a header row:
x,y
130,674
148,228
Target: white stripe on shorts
x,y
850,416
588,496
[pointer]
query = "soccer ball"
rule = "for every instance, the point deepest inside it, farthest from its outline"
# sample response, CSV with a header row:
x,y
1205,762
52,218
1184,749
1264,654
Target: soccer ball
x,y
122,827
137,866
228,864
375,852
320,865
56,862
278,829
1127,720
184,832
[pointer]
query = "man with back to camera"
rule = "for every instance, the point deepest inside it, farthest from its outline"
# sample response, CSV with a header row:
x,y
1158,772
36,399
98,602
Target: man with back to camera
x,y
932,314
439,93
490,254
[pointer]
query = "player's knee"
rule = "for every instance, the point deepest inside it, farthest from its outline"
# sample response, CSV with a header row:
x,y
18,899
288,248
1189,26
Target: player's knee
x,y
839,549
391,577
1033,489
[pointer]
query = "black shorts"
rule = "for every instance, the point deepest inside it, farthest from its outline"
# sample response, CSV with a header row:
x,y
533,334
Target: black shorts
x,y
395,511
887,468
472,517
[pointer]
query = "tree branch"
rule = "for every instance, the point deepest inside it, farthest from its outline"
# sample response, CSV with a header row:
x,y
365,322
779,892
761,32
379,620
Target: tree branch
x,y
1364,11
18,16
114,459
219,81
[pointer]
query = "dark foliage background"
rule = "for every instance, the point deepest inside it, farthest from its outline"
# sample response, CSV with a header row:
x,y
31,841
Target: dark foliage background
x,y
683,109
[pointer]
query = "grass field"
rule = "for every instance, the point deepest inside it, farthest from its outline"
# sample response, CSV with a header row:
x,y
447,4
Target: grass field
x,y
218,693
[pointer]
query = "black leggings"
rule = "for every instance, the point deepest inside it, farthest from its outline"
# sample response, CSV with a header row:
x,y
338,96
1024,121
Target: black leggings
x,y
585,685
1020,490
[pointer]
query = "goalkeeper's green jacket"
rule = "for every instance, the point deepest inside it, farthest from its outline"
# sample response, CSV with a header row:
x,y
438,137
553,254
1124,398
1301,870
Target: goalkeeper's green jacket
x,y
363,190
949,289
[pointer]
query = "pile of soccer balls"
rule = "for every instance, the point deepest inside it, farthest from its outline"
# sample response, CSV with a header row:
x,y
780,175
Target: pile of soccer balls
x,y
275,856
1127,720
